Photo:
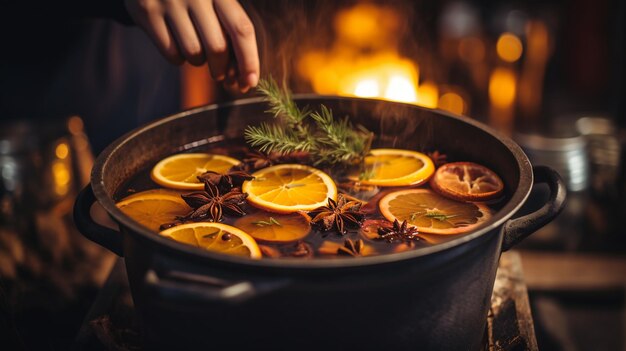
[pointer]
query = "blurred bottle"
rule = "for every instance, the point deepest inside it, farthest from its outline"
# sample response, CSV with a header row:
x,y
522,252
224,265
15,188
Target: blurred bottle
x,y
604,154
49,271
568,156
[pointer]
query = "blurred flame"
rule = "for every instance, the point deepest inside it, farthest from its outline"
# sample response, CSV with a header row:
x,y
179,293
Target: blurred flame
x,y
509,47
367,88
75,125
367,26
61,176
62,150
502,87
365,60
472,50
452,102
400,88
534,68
382,75
428,94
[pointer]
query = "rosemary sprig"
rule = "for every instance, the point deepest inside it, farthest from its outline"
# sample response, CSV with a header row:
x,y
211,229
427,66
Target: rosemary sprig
x,y
440,216
329,141
271,221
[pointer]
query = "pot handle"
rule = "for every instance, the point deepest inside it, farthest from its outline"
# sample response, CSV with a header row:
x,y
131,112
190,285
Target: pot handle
x,y
106,237
517,229
190,287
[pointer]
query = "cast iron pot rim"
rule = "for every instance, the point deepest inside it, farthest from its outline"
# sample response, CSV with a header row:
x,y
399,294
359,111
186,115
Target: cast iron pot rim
x,y
516,201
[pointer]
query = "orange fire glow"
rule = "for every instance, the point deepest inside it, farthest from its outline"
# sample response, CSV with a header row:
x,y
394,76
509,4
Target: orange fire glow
x,y
502,87
365,60
452,102
509,47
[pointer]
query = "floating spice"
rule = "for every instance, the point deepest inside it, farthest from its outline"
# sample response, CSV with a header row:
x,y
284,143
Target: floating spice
x,y
338,215
256,160
398,232
351,248
302,250
210,205
369,227
270,251
225,181
438,158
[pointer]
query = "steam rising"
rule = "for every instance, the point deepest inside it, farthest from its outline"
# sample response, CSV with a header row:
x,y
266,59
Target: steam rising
x,y
288,30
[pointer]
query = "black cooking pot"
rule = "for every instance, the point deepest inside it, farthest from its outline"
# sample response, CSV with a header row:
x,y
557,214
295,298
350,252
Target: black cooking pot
x,y
434,298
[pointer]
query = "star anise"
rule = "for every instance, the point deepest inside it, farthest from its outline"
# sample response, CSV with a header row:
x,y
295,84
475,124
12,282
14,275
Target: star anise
x,y
225,181
210,204
398,232
438,158
338,215
351,248
256,160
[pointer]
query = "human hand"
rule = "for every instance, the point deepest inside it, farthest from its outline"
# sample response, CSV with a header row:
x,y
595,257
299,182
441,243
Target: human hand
x,y
203,31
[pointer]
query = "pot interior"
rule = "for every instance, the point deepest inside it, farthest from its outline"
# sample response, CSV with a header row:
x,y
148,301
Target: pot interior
x,y
394,124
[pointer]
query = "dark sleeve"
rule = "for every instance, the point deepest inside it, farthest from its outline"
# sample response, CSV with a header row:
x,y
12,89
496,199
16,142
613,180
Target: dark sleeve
x,y
113,9
13,10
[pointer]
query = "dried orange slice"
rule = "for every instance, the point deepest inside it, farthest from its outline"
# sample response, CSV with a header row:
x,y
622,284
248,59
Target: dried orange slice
x,y
433,213
215,237
395,167
151,208
289,188
272,227
181,171
467,181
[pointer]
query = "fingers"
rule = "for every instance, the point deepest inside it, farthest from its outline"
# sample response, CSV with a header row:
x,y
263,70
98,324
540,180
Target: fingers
x,y
212,37
183,29
202,31
243,40
155,26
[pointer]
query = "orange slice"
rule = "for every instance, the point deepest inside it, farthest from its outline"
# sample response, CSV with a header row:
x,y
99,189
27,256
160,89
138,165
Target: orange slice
x,y
289,188
395,167
152,209
181,171
433,213
467,181
216,237
272,227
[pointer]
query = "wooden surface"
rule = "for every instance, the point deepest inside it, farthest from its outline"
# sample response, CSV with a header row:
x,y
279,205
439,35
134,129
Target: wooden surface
x,y
573,271
510,323
111,324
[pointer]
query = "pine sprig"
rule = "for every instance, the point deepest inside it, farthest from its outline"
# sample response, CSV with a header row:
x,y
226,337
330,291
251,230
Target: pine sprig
x,y
342,143
284,108
281,103
272,138
327,140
